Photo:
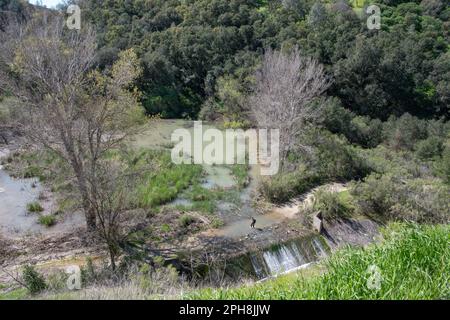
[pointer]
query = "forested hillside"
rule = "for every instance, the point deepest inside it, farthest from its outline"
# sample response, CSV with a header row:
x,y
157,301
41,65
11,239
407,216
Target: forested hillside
x,y
201,53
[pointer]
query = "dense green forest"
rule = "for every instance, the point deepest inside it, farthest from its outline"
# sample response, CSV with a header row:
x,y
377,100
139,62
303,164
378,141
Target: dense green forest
x,y
201,54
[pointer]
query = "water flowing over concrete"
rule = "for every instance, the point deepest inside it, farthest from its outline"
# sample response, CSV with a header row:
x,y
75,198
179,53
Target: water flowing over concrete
x,y
279,259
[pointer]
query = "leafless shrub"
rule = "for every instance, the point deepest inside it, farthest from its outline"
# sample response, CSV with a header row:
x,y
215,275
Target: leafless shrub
x,y
287,85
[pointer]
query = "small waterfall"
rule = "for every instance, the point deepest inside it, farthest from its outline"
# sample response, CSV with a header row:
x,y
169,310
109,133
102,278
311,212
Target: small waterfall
x,y
318,247
287,256
271,261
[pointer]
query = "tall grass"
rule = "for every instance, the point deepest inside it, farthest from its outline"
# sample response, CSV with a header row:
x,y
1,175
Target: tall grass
x,y
241,174
34,207
413,262
163,184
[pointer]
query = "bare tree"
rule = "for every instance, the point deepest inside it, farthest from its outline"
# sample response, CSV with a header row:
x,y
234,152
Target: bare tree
x,y
66,107
110,200
286,86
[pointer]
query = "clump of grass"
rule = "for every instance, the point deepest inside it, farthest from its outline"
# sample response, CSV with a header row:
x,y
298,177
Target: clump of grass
x,y
206,206
47,221
34,207
164,186
237,124
16,294
162,182
241,174
33,280
197,193
186,220
166,228
217,223
412,261
33,171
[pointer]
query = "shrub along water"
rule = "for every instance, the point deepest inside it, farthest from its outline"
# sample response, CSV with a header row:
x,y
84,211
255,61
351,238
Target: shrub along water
x,y
34,207
33,280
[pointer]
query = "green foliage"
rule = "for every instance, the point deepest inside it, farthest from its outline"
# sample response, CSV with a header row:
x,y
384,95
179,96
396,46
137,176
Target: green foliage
x,y
244,124
331,159
43,165
186,220
166,228
206,206
32,172
392,197
442,166
34,207
241,174
360,130
331,205
88,272
404,132
412,259
429,148
337,160
16,294
164,184
33,281
47,220
284,186
201,54
228,103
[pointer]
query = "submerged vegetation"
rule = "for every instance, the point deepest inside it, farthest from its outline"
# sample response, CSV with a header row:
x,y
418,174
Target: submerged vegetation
x,y
34,207
47,220
166,182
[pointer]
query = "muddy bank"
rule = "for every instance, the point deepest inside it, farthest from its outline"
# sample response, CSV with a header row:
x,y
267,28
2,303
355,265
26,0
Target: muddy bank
x,y
47,253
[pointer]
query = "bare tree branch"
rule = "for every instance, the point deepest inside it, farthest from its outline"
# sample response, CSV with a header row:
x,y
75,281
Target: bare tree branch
x,y
286,86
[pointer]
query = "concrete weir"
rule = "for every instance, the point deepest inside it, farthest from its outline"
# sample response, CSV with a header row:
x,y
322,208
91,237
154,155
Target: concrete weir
x,y
278,259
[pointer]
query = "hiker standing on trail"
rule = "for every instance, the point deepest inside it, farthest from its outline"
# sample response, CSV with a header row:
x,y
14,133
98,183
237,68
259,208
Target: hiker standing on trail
x,y
253,223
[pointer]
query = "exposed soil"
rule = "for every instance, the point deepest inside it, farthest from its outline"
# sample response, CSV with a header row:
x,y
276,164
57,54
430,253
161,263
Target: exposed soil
x,y
47,253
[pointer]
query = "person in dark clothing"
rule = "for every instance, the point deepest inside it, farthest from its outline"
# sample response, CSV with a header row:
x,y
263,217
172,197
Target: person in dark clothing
x,y
253,223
